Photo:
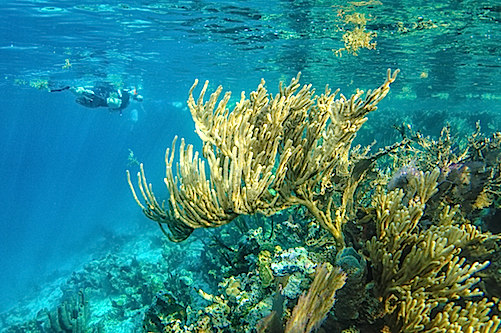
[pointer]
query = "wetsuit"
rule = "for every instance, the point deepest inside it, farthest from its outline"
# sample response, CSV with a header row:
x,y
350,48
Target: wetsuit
x,y
99,95
102,95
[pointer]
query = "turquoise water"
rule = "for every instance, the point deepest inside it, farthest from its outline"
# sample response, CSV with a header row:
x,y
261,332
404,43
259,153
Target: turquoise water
x,y
64,195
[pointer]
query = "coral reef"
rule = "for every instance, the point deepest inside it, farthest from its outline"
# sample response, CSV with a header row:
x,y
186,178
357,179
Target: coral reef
x,y
118,292
324,235
415,256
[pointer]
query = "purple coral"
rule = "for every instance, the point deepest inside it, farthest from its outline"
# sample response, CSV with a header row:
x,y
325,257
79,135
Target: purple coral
x,y
402,177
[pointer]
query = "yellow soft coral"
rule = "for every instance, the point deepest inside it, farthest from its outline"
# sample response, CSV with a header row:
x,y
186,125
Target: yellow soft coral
x,y
416,269
270,153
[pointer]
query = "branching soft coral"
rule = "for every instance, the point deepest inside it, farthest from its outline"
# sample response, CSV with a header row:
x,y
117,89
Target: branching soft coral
x,y
269,153
421,278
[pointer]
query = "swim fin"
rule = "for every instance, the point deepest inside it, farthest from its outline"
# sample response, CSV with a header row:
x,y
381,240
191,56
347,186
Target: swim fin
x,y
60,89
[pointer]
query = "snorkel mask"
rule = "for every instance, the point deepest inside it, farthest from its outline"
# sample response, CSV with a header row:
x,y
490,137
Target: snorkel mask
x,y
135,95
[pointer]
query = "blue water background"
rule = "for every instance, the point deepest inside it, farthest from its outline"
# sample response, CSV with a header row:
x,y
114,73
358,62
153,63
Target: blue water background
x,y
63,189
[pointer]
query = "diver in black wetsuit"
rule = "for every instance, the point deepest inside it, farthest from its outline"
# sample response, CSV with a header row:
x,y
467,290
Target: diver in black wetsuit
x,y
103,95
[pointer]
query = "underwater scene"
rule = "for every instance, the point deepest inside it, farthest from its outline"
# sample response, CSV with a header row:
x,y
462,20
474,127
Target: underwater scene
x,y
250,166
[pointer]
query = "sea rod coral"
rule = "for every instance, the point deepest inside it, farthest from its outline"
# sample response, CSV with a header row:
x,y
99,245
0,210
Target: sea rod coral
x,y
420,274
269,153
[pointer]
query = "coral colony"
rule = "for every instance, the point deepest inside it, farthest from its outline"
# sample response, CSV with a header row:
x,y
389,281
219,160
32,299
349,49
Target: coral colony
x,y
361,248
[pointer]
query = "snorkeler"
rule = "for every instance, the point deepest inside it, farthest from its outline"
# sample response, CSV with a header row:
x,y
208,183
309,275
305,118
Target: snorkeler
x,y
103,95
